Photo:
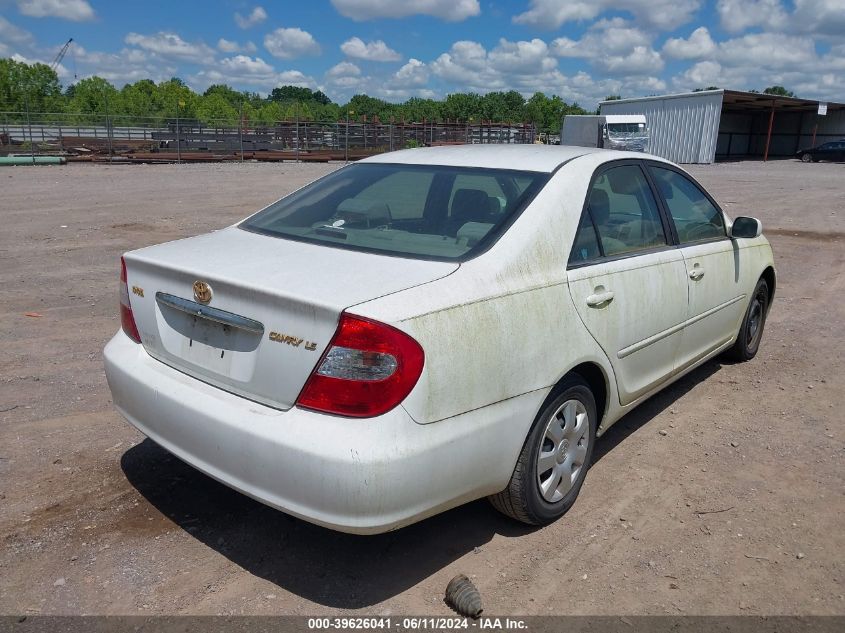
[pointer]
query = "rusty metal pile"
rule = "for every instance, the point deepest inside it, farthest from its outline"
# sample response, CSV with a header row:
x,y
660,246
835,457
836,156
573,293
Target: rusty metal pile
x,y
304,141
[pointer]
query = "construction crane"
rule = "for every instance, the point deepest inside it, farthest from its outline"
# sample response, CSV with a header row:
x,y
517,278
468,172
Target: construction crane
x,y
61,55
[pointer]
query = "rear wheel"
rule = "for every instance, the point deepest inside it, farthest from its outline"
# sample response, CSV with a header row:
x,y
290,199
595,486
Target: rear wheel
x,y
555,457
751,330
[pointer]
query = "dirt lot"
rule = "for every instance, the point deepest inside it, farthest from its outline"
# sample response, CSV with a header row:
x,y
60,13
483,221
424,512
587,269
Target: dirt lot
x,y
737,509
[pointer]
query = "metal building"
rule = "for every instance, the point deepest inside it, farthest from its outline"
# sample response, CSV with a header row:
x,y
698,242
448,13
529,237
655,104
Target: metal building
x,y
710,125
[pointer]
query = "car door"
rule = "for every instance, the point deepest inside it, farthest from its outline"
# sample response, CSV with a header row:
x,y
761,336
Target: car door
x,y
825,151
716,298
627,281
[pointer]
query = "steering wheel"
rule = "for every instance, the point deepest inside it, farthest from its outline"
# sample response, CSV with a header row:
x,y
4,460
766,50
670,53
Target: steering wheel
x,y
700,231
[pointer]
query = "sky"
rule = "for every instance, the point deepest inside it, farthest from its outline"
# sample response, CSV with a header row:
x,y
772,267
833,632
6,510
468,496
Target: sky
x,y
581,50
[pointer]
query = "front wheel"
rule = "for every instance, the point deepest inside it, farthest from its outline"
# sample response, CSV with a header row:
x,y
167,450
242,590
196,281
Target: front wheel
x,y
555,457
806,158
751,330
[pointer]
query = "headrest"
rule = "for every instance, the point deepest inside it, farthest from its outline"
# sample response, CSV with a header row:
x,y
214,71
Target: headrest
x,y
470,205
664,187
623,181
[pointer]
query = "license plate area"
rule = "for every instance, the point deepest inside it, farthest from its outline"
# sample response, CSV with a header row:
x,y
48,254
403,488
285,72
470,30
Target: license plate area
x,y
210,341
209,345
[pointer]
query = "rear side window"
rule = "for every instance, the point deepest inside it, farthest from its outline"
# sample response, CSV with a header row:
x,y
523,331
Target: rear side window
x,y
620,217
625,212
695,217
424,211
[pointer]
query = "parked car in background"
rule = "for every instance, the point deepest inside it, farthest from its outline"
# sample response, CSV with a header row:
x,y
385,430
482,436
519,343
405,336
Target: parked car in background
x,y
832,150
428,327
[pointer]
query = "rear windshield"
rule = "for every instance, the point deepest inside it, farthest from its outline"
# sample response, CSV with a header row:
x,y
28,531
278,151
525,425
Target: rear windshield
x,y
420,211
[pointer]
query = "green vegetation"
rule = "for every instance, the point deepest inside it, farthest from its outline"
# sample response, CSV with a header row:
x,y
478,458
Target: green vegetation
x,y
90,99
779,91
776,90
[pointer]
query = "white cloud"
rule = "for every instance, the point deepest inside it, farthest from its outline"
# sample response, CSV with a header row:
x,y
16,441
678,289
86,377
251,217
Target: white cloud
x,y
61,71
244,70
14,35
414,73
662,14
613,47
701,75
345,77
819,17
449,10
171,46
125,66
294,78
758,60
698,45
525,66
375,51
825,18
290,43
256,17
343,69
738,15
227,46
74,10
245,65
516,57
230,46
772,51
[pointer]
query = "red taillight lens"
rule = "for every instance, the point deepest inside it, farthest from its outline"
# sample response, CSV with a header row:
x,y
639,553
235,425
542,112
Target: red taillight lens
x,y
367,370
127,320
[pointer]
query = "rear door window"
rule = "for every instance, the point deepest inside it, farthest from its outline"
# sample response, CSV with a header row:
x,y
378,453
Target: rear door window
x,y
625,212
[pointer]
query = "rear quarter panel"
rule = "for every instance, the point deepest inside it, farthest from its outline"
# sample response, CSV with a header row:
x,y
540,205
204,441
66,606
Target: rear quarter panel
x,y
503,324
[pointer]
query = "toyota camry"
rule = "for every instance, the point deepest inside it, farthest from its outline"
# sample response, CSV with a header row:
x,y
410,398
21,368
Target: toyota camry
x,y
432,326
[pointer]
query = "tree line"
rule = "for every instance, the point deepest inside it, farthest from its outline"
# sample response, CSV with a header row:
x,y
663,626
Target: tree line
x,y
36,88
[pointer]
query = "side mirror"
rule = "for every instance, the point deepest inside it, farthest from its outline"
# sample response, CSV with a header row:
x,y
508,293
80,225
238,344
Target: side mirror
x,y
746,228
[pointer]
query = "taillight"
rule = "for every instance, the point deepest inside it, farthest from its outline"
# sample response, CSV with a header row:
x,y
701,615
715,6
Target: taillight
x,y
367,370
127,320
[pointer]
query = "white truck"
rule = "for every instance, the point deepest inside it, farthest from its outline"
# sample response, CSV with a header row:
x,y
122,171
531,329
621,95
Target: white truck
x,y
611,131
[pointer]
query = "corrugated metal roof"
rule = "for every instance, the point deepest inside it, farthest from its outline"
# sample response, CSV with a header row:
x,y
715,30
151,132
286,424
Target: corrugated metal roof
x,y
740,100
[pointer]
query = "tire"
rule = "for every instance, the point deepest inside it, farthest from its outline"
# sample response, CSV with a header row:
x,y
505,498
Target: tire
x,y
751,330
571,405
806,158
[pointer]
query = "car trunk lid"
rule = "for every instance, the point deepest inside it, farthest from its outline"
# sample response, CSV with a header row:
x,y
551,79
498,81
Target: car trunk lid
x,y
274,305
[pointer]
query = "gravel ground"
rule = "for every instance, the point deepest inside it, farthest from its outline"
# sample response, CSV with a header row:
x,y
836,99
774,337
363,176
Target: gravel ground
x,y
736,509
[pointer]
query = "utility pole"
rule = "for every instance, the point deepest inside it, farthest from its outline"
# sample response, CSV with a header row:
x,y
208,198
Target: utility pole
x,y
29,125
108,123
179,102
296,105
346,152
241,129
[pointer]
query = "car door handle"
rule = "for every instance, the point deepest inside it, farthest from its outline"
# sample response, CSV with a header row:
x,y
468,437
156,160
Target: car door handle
x,y
696,273
599,299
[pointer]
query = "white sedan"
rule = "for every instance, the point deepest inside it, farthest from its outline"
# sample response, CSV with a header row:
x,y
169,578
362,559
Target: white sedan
x,y
431,326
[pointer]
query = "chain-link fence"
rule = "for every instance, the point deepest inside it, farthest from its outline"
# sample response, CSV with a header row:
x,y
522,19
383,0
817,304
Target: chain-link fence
x,y
102,137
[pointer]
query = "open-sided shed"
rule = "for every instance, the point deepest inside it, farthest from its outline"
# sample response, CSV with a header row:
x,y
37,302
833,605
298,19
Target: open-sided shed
x,y
710,125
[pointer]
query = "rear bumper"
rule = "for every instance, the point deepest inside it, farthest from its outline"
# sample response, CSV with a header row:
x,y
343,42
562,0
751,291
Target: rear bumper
x,y
358,476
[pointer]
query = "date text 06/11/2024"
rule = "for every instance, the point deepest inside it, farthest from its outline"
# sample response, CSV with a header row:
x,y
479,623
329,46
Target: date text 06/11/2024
x,y
416,624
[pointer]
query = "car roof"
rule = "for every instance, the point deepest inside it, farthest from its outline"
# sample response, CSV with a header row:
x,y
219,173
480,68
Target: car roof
x,y
533,157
